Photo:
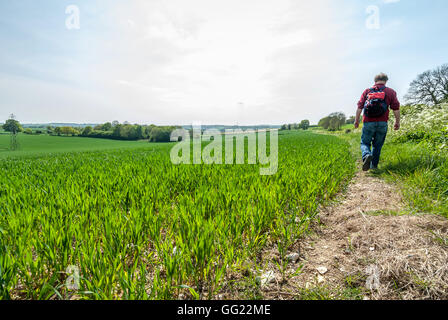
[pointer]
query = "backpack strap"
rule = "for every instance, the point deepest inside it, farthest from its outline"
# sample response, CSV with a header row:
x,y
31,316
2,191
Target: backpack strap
x,y
378,89
384,90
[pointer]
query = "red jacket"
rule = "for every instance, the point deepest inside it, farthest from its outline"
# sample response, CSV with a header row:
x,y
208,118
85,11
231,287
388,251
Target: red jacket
x,y
391,100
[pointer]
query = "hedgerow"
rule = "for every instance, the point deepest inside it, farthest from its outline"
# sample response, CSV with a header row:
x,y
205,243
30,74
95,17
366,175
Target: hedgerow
x,y
422,123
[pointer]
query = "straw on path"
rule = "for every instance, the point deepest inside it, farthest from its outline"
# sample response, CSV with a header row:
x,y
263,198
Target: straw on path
x,y
394,256
361,242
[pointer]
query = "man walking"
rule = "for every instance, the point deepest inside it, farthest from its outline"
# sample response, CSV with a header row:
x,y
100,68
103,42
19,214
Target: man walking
x,y
376,102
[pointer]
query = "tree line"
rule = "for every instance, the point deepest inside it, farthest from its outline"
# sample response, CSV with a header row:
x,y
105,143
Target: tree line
x,y
108,130
430,87
335,121
304,125
128,131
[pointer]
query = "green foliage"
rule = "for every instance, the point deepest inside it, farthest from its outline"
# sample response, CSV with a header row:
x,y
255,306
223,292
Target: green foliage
x,y
30,131
69,131
424,124
13,126
324,123
86,131
422,173
333,122
107,126
304,125
161,134
351,120
419,170
128,131
139,227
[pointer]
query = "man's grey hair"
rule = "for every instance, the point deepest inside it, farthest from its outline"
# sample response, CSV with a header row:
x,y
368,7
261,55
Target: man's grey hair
x,y
381,77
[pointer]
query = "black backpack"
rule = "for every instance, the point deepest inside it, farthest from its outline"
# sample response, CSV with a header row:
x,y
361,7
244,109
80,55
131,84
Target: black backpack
x,y
375,105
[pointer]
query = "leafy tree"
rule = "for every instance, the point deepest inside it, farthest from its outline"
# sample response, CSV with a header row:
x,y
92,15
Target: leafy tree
x,y
284,127
107,126
125,132
129,132
117,131
69,131
86,131
103,127
350,120
140,131
324,123
148,131
338,115
28,131
337,120
333,122
12,125
304,125
160,134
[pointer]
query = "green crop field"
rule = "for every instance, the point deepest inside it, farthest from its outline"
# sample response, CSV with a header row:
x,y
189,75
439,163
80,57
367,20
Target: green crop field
x,y
35,145
138,227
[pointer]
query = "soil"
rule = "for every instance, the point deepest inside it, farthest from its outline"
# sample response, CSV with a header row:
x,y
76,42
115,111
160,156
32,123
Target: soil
x,y
367,247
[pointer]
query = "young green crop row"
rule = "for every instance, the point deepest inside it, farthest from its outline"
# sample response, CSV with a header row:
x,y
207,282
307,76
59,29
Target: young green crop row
x,y
138,227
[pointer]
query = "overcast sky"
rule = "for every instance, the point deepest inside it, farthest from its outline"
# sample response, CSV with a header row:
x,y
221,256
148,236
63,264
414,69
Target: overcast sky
x,y
227,61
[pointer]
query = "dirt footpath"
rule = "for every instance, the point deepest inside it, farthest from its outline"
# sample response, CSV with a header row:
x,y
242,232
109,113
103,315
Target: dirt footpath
x,y
363,244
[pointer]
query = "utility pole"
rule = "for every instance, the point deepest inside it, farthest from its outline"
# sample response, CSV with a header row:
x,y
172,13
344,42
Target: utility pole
x,y
14,144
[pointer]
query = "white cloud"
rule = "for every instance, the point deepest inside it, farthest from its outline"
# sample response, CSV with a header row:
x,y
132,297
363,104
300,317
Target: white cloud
x,y
227,62
231,61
